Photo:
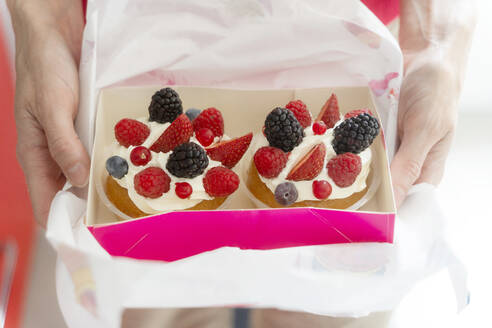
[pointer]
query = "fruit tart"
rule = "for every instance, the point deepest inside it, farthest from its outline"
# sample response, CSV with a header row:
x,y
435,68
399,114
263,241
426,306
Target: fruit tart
x,y
172,160
323,162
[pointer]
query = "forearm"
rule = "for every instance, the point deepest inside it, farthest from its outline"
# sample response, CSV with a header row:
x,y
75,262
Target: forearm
x,y
437,31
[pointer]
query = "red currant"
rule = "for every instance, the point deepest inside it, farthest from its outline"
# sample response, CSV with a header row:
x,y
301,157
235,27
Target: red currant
x,y
321,189
183,189
140,156
205,136
319,127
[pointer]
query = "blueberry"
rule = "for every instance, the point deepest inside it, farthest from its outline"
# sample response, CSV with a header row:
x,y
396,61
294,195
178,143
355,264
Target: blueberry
x,y
193,113
286,193
117,167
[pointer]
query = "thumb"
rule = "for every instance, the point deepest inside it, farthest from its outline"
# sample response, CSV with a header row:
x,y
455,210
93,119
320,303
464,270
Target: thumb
x,y
66,148
407,165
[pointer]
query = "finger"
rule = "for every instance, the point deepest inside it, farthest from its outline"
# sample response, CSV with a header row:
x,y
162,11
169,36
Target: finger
x,y
407,164
433,168
65,147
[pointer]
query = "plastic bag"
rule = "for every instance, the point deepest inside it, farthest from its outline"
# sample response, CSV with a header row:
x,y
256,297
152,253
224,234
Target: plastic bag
x,y
243,44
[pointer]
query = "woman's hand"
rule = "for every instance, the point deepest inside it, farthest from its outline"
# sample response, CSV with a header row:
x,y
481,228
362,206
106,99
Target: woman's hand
x,y
48,39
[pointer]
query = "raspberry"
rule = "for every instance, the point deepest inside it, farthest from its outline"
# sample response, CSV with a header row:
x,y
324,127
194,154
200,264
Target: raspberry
x,y
330,113
355,134
176,134
152,182
130,132
117,167
286,193
300,112
188,160
140,156
319,128
310,165
321,189
205,136
165,106
231,151
343,169
183,190
220,182
357,112
270,161
283,130
210,118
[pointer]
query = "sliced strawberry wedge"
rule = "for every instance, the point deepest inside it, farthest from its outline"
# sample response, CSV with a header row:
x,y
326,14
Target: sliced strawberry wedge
x,y
179,132
310,165
330,113
231,151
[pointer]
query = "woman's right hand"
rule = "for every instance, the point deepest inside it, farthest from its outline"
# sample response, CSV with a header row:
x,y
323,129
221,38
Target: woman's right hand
x,y
48,37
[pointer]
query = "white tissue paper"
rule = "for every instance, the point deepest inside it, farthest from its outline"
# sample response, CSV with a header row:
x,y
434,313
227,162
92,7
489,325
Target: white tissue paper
x,y
244,44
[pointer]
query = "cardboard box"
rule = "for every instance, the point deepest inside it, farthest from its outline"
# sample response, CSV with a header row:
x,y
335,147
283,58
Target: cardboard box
x,y
176,235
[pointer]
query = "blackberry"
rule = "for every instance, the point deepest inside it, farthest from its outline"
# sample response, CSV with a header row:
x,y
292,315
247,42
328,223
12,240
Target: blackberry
x,y
283,130
355,134
187,160
165,106
117,167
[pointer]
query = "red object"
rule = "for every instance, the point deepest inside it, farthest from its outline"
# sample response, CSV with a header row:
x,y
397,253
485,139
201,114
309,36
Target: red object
x,y
220,182
16,223
130,132
140,156
321,189
300,112
205,136
385,10
183,190
210,118
152,182
344,169
319,128
231,151
270,161
179,132
310,165
356,112
330,113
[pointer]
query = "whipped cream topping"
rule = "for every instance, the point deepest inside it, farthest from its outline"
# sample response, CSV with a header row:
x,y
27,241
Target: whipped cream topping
x,y
168,201
304,188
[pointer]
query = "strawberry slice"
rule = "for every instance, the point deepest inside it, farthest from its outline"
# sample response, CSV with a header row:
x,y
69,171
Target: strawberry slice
x,y
310,165
330,113
231,151
179,132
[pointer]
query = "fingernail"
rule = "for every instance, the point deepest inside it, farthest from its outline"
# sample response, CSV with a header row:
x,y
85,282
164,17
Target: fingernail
x,y
78,175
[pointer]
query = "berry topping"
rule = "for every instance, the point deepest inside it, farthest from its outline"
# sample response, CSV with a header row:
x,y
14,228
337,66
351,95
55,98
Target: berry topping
x,y
187,160
300,112
205,136
355,134
140,156
330,113
130,132
193,113
152,182
283,130
356,112
286,193
231,151
183,190
343,169
270,161
310,165
319,128
176,134
321,189
220,182
210,118
165,106
117,167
